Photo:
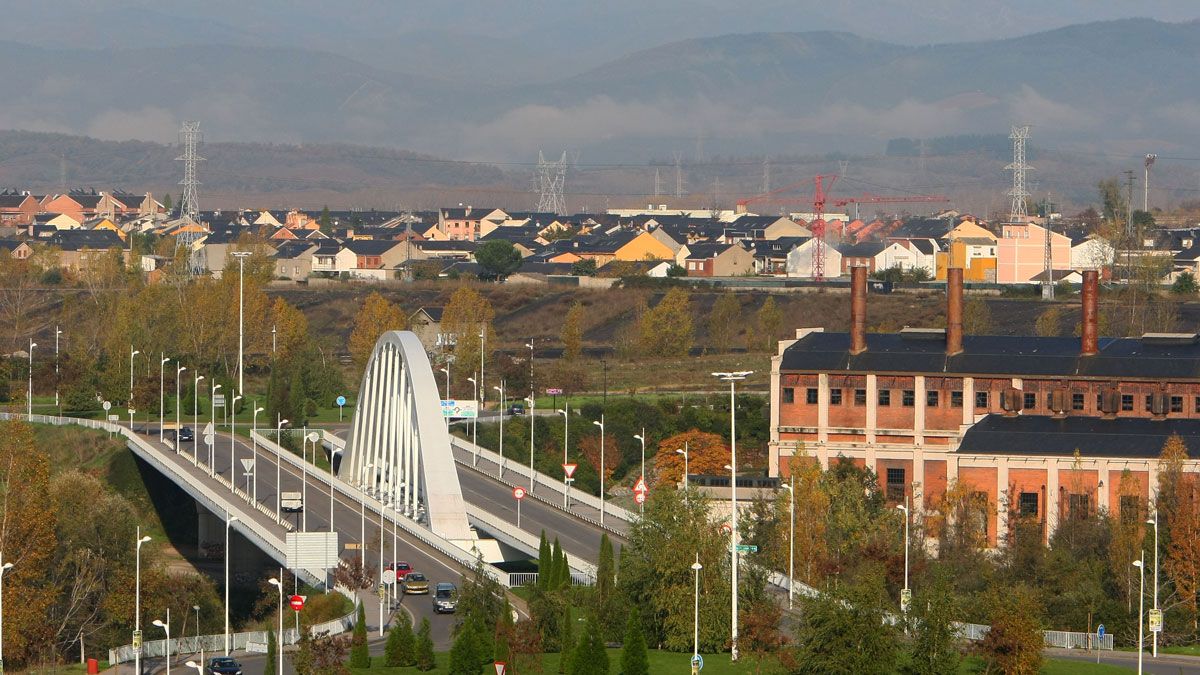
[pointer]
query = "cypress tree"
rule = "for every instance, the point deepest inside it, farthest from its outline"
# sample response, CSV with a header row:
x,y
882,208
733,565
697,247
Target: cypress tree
x,y
543,562
401,647
564,572
589,657
555,580
465,654
567,639
271,655
359,656
634,659
425,658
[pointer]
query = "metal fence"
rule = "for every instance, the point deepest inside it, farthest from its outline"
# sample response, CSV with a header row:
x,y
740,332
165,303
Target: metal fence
x,y
1054,638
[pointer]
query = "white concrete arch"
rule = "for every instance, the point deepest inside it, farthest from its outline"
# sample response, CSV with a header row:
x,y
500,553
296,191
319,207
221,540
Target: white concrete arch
x,y
398,430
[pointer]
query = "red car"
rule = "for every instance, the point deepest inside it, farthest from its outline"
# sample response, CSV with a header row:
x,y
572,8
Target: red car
x,y
402,569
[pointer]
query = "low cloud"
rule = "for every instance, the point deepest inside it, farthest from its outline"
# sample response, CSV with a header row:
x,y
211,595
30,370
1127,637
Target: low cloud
x,y
145,124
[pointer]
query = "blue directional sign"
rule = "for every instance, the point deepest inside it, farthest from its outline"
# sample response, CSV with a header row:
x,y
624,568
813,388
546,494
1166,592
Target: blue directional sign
x,y
1100,631
698,662
341,400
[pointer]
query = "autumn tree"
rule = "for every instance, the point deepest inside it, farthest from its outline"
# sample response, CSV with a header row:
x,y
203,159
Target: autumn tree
x,y
723,322
666,330
466,316
589,447
291,330
1014,643
376,316
977,317
770,319
844,631
1128,533
572,332
707,453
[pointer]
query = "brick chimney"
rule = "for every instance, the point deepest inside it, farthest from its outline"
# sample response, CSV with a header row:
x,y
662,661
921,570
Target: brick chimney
x,y
1089,329
858,310
954,311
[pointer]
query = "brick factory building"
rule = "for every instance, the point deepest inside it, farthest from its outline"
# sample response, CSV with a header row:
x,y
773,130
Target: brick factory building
x,y
1044,428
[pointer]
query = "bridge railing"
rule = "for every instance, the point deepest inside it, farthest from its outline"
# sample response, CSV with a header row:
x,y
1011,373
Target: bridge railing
x,y
582,569
555,484
443,546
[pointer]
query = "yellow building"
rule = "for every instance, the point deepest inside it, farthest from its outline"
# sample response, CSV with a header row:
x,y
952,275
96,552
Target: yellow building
x,y
645,246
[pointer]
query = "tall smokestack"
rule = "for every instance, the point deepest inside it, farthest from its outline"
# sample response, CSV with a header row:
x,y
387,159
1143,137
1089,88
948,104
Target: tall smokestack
x,y
954,310
1089,329
858,310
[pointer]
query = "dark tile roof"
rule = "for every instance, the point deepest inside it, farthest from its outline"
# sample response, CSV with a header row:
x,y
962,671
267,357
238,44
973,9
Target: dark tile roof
x,y
370,246
925,246
704,251
996,355
290,250
449,245
1091,436
434,313
867,249
12,201
925,229
74,240
225,235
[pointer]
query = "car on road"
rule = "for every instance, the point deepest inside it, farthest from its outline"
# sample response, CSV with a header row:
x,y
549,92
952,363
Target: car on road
x,y
186,435
223,665
402,569
415,583
516,409
445,598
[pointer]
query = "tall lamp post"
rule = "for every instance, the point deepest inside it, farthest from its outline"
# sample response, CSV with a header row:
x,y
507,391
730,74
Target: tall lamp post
x,y
279,636
333,452
57,332
233,442
600,423
1154,634
166,626
500,389
684,451
3,568
132,353
696,567
137,600
565,411
229,520
278,460
32,344
241,258
212,449
254,448
162,367
196,417
532,473
903,508
1141,565
178,427
732,378
362,517
791,488
475,421
481,389
642,437
199,645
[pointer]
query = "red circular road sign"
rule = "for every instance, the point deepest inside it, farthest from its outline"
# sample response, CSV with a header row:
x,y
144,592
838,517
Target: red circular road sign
x,y
519,493
297,602
639,497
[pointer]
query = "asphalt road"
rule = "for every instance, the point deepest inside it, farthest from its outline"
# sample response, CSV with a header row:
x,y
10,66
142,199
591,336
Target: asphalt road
x,y
1165,664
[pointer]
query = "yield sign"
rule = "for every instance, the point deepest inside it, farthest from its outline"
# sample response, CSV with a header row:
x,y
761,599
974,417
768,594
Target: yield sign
x,y
640,485
569,469
208,429
500,665
248,465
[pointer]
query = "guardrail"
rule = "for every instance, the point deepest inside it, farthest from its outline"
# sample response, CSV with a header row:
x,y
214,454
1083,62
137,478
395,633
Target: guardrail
x,y
554,484
443,546
502,528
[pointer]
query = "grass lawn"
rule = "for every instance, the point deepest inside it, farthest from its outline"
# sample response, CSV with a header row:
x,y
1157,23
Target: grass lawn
x,y
974,664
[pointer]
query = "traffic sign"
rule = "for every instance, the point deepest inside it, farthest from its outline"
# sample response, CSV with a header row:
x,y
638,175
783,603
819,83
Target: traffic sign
x,y
747,548
726,528
554,391
460,409
698,662
1156,620
210,439
297,602
569,469
640,485
209,429
248,465
639,497
107,406
341,400
1100,631
500,666
218,400
137,640
389,576
518,493
905,599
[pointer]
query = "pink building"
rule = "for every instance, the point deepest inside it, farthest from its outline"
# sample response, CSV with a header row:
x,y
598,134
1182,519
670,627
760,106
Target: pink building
x,y
1021,252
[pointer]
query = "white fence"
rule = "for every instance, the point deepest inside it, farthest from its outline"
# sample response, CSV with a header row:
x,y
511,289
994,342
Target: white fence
x,y
1054,638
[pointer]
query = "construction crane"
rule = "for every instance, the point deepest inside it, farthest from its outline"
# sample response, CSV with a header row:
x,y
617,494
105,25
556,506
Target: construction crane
x,y
820,196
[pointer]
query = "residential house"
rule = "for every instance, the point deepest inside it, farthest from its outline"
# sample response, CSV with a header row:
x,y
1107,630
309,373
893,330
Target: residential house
x,y
18,249
1092,252
103,223
121,204
923,252
218,245
716,260
18,208
1021,252
877,256
426,322
770,227
770,255
800,260
465,223
446,250
376,260
80,205
79,249
60,221
332,259
294,260
976,255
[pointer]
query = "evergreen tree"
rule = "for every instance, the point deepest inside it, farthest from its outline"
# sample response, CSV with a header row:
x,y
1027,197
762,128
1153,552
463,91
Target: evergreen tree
x,y
425,659
297,398
465,654
564,572
605,594
556,557
504,630
589,657
359,656
325,223
544,560
271,640
401,647
567,639
634,658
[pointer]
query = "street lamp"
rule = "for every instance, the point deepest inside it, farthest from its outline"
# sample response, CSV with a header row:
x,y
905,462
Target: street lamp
x,y
532,474
196,417
32,344
362,518
279,636
254,448
162,366
199,645
229,520
732,378
3,568
642,437
475,420
178,372
903,508
241,258
600,423
332,453
565,411
500,389
447,372
791,488
696,567
233,442
684,451
212,447
1154,634
1141,565
312,438
137,600
57,332
166,626
278,460
132,353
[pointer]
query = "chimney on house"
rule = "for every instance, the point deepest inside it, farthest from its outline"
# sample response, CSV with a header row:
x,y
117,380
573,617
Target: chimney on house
x,y
954,311
858,310
1089,328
